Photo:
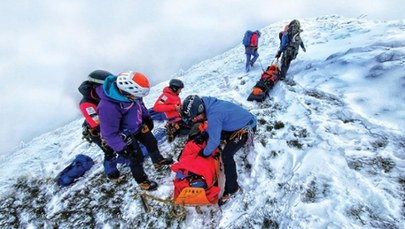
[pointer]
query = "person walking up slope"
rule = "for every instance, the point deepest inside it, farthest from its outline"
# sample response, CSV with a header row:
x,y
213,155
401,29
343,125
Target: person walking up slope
x,y
226,121
289,47
125,119
251,43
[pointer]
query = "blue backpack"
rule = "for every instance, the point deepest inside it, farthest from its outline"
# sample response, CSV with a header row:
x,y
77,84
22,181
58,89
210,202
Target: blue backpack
x,y
158,116
76,169
247,37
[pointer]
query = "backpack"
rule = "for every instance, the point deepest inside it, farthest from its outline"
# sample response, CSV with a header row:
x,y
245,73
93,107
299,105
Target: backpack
x,y
76,169
90,98
94,79
293,28
247,37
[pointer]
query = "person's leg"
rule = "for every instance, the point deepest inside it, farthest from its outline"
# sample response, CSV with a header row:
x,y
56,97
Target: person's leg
x,y
255,56
285,64
137,170
150,142
231,183
247,65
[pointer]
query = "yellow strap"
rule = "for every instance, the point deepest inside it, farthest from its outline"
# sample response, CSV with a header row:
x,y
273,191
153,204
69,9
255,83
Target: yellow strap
x,y
173,212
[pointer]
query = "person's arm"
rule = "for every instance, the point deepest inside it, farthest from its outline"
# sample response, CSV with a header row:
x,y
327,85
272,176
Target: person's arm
x,y
110,119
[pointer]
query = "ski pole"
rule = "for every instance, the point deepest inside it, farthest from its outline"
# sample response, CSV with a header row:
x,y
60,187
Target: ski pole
x,y
261,65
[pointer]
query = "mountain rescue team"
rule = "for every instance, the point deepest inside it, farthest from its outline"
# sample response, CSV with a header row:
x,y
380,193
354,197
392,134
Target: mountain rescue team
x,y
117,120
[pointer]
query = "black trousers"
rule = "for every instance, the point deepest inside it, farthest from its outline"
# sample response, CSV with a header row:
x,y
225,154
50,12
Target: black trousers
x,y
137,158
231,147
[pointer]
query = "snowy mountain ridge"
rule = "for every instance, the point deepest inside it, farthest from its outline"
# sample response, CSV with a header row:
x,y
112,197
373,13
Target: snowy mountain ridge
x,y
329,150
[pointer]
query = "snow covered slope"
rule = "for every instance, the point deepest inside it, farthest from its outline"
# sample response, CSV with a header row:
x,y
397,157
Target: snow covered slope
x,y
329,151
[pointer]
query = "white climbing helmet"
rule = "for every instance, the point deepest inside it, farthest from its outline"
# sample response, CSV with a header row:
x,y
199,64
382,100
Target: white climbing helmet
x,y
134,83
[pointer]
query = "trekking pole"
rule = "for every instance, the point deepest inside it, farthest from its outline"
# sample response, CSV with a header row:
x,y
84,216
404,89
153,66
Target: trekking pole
x,y
261,65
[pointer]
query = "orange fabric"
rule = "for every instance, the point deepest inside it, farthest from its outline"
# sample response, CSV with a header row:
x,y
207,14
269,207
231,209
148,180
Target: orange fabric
x,y
193,196
167,102
203,126
273,67
89,111
141,80
257,91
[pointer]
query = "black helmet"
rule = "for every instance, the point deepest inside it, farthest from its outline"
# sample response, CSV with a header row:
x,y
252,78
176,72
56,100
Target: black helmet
x,y
176,84
98,76
192,106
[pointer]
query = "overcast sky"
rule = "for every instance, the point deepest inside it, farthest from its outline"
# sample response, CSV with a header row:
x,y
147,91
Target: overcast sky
x,y
48,47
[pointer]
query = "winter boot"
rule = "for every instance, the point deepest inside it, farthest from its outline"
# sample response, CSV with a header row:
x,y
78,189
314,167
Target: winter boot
x,y
164,161
119,180
227,196
148,185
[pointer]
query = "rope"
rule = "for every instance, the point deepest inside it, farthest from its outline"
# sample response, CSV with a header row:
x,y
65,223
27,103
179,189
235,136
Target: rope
x,y
173,212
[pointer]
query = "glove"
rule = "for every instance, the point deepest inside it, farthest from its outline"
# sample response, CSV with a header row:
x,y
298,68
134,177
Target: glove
x,y
148,121
200,139
304,49
278,54
127,137
201,154
110,155
216,154
125,153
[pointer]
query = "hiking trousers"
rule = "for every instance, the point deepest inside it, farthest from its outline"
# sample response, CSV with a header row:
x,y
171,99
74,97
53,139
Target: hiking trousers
x,y
231,177
250,51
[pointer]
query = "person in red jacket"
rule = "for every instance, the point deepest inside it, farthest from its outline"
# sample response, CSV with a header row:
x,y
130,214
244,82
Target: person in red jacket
x,y
251,50
169,103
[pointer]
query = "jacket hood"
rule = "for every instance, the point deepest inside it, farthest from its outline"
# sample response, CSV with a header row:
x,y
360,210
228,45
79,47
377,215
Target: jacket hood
x,y
208,101
111,90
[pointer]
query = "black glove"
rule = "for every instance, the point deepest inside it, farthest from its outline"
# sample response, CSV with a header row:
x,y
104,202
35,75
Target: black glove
x,y
109,155
128,138
201,154
125,153
200,139
148,121
278,54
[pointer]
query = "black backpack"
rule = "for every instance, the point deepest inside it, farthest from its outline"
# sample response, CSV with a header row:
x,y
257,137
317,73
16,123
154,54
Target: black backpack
x,y
87,88
293,28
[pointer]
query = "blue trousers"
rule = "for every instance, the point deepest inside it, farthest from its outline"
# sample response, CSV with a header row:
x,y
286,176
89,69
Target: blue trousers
x,y
250,52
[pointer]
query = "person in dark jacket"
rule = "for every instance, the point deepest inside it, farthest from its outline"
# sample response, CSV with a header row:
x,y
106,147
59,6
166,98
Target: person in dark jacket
x,y
227,122
124,120
251,50
290,43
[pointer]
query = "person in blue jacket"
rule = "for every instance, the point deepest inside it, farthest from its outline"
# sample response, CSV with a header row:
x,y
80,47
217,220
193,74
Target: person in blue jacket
x,y
228,122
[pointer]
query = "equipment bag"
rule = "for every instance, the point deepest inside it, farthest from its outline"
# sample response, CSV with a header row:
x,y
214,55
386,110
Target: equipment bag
x,y
76,169
247,37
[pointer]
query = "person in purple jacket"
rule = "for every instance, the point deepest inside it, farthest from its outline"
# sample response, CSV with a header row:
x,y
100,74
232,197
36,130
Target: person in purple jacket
x,y
227,122
124,120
